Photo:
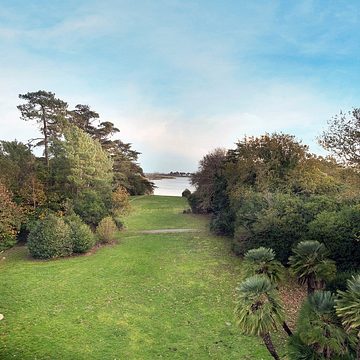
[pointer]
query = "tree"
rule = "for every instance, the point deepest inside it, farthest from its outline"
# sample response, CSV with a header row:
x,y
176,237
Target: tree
x,y
83,117
87,172
342,137
311,265
48,111
262,261
11,216
319,327
204,179
16,164
259,310
348,308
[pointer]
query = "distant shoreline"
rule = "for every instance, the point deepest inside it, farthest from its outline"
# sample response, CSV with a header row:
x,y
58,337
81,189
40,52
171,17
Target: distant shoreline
x,y
158,176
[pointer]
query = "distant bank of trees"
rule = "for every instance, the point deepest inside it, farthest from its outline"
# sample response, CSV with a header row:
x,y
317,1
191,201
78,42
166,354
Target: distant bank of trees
x,y
270,191
83,172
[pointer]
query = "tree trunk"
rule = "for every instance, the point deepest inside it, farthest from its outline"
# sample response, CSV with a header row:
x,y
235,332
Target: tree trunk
x,y
46,137
269,345
286,328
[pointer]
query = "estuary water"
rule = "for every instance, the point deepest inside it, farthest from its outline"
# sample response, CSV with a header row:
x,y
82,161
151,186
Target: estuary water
x,y
172,187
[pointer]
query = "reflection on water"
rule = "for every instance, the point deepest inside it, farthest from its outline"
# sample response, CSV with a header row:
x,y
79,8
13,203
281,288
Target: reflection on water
x,y
172,187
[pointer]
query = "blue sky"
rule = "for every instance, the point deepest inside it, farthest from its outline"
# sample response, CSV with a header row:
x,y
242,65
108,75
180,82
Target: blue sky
x,y
180,78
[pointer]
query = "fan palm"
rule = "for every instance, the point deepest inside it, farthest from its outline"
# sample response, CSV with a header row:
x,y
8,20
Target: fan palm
x,y
262,261
319,327
348,308
311,265
259,309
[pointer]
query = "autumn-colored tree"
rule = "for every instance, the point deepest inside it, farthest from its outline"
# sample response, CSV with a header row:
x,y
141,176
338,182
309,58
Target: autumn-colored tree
x,y
11,217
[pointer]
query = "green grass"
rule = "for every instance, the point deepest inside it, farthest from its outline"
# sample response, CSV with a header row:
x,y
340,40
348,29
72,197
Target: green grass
x,y
163,295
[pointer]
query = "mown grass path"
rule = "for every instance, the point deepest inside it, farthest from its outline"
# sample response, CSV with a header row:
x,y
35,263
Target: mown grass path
x,y
163,295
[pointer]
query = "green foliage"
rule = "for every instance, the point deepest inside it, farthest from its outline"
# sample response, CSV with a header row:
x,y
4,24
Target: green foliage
x,y
51,238
186,193
310,264
204,180
262,261
91,207
319,327
296,349
340,232
348,305
81,235
339,282
11,216
194,203
258,308
106,230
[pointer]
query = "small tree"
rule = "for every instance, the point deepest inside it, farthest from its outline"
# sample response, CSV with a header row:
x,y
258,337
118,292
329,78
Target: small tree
x,y
262,261
106,230
259,310
311,265
319,327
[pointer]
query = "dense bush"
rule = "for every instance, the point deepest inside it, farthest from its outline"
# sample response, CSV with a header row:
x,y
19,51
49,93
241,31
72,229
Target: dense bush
x,y
339,282
194,203
186,193
340,232
106,230
81,235
50,239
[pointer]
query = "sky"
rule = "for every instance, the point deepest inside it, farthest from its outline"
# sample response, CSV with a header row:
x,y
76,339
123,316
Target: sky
x,y
180,78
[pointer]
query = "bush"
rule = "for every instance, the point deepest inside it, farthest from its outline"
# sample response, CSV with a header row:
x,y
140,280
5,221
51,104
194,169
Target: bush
x,y
106,230
339,282
186,193
50,239
340,232
81,235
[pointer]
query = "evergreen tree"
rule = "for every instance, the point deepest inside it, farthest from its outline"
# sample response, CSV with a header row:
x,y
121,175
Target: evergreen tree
x,y
48,111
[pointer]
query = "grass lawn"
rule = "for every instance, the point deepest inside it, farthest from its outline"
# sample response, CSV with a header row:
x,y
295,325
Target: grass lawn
x,y
153,296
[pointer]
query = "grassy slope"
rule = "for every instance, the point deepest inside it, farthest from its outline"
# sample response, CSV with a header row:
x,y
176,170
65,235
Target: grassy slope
x,y
153,295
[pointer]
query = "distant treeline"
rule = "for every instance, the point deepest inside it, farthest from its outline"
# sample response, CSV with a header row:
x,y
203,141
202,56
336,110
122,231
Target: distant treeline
x,y
170,175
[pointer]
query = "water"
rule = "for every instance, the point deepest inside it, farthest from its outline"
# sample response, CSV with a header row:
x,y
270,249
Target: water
x,y
172,187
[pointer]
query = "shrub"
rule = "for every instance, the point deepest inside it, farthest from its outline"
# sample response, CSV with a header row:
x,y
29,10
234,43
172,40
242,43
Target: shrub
x,y
50,239
106,230
339,231
81,235
339,282
186,193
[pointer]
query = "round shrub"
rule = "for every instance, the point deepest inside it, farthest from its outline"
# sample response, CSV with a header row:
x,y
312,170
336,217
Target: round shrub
x,y
50,239
106,230
186,193
82,237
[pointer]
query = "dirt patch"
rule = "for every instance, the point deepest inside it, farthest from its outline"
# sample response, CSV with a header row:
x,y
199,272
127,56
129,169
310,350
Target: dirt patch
x,y
292,294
